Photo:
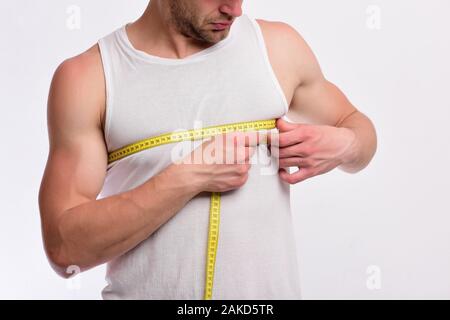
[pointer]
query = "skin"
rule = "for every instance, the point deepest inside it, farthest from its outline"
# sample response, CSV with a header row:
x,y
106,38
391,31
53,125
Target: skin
x,y
79,230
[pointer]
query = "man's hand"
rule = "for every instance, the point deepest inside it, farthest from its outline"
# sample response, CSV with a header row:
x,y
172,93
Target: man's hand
x,y
314,149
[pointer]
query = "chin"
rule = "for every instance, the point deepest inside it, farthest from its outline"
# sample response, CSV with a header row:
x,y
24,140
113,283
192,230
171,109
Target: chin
x,y
217,36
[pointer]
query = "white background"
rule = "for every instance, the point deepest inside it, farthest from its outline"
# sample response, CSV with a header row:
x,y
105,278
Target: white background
x,y
394,215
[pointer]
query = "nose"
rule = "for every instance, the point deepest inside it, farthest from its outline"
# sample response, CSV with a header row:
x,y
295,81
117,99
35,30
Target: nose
x,y
232,8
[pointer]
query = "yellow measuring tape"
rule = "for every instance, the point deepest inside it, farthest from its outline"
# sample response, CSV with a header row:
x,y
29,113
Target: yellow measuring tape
x,y
214,212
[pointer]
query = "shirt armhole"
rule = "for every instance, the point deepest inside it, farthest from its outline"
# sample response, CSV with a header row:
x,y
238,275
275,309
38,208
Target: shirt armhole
x,y
263,47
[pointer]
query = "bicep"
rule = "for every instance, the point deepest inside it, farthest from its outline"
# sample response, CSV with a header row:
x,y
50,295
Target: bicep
x,y
315,99
320,102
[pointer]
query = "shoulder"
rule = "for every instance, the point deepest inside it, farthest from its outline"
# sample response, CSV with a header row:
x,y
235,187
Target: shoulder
x,y
82,66
81,71
279,29
78,85
286,43
282,36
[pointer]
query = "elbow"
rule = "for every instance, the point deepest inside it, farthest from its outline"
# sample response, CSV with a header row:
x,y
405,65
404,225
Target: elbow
x,y
64,259
61,264
363,151
56,251
359,164
68,262
64,255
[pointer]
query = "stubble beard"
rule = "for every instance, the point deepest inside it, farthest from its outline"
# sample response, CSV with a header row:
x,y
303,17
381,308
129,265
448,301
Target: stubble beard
x,y
185,19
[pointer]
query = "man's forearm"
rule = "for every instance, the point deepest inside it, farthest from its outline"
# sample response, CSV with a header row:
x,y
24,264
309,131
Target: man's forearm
x,y
364,146
97,231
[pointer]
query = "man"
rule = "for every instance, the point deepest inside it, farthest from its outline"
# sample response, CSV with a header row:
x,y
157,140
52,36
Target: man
x,y
184,61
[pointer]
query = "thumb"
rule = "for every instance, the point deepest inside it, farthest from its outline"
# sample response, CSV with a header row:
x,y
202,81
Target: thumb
x,y
284,125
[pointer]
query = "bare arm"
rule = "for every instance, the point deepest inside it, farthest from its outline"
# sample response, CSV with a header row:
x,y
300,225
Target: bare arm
x,y
320,101
317,101
78,229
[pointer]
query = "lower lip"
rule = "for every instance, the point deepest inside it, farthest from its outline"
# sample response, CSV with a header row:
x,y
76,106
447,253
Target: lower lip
x,y
220,27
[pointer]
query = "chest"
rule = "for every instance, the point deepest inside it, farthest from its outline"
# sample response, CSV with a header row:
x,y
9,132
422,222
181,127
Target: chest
x,y
154,100
227,91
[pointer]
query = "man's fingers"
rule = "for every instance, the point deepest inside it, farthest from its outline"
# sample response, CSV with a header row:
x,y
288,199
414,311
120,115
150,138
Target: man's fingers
x,y
289,138
297,176
284,126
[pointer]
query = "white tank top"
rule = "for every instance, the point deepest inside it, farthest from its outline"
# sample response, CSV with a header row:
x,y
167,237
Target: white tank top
x,y
231,81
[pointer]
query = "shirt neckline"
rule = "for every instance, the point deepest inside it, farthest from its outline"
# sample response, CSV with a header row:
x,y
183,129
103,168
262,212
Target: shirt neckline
x,y
123,36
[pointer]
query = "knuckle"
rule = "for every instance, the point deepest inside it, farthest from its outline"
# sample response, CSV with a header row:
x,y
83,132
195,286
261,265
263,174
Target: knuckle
x,y
298,149
307,150
305,162
307,131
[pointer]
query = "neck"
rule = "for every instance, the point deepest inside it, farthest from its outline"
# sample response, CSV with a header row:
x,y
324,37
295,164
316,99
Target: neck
x,y
154,33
